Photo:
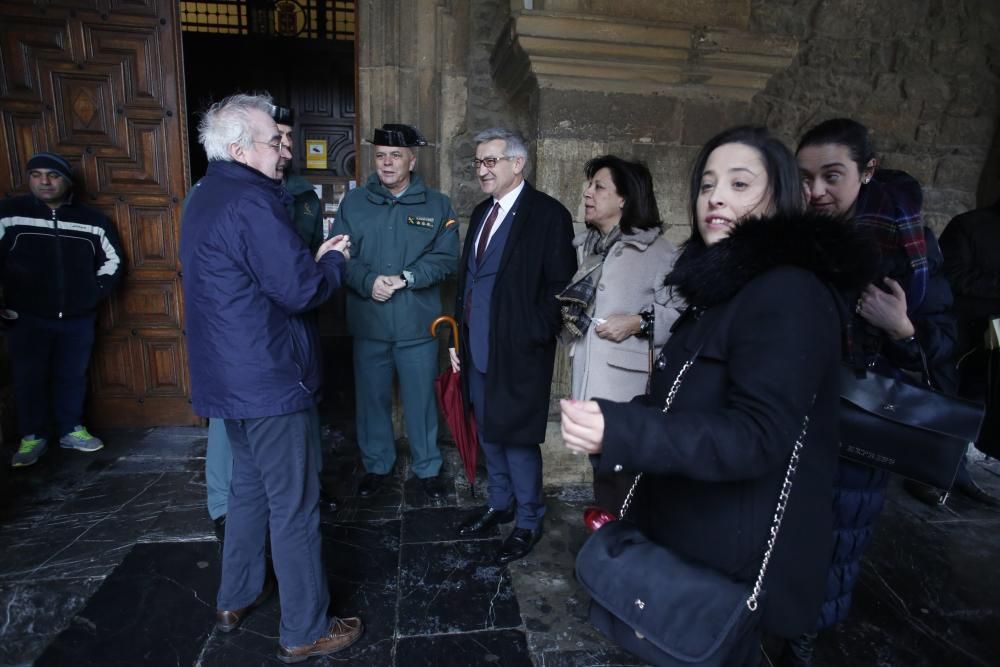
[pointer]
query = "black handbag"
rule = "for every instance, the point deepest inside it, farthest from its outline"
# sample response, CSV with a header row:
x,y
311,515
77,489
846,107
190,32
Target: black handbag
x,y
904,427
661,607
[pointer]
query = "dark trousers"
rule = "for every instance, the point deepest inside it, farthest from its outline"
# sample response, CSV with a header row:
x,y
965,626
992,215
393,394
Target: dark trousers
x,y
49,359
415,363
514,470
276,483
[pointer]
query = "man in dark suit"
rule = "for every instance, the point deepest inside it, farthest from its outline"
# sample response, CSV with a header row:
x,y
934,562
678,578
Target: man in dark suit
x,y
518,256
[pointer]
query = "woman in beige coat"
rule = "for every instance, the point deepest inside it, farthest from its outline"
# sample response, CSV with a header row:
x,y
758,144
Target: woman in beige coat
x,y
617,312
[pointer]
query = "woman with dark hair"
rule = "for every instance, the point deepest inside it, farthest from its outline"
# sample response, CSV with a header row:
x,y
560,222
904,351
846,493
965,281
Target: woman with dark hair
x,y
902,321
760,332
616,309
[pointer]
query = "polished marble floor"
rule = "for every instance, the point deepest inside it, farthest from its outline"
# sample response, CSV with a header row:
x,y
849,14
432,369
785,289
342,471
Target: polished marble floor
x,y
110,559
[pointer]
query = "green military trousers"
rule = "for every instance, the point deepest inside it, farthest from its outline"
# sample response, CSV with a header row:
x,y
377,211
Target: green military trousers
x,y
415,362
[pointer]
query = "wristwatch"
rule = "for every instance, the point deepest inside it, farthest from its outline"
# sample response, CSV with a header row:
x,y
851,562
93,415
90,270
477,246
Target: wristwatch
x,y
646,323
407,277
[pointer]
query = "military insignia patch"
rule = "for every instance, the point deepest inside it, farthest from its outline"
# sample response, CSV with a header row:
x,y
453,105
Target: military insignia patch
x,y
418,221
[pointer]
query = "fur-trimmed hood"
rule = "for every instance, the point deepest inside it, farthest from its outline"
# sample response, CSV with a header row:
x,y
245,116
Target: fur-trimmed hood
x,y
832,248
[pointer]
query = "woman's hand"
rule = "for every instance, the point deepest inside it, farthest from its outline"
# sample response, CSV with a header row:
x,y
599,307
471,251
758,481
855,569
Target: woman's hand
x,y
619,327
582,426
887,311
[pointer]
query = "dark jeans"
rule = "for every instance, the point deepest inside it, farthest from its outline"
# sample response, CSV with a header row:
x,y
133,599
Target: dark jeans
x,y
49,359
276,484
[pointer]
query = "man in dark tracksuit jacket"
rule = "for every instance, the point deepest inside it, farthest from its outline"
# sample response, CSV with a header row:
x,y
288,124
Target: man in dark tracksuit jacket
x,y
59,260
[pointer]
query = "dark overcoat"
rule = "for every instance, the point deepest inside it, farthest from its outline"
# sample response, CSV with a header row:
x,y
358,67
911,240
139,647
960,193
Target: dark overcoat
x,y
763,331
537,263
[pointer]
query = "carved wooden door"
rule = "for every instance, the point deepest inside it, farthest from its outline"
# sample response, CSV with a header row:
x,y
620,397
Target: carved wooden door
x,y
99,82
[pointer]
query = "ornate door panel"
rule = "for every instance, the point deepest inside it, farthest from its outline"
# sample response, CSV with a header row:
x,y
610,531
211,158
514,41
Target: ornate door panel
x,y
99,82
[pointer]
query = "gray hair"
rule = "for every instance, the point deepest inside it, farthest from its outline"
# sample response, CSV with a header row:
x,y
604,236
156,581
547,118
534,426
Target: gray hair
x,y
515,144
229,122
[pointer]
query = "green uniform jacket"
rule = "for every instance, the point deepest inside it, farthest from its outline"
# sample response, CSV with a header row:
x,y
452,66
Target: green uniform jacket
x,y
416,232
306,211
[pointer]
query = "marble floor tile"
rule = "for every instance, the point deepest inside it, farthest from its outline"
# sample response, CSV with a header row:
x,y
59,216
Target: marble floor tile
x,y
90,534
362,566
499,647
553,605
415,497
597,657
437,524
340,479
181,522
448,587
35,613
157,607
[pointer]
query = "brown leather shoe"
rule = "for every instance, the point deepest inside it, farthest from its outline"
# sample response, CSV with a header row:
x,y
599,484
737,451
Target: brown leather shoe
x,y
343,633
228,620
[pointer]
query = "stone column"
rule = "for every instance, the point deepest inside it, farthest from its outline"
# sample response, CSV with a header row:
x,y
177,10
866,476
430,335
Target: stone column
x,y
411,61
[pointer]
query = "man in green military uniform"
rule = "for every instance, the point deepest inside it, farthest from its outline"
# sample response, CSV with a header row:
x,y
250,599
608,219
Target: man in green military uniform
x,y
404,243
305,208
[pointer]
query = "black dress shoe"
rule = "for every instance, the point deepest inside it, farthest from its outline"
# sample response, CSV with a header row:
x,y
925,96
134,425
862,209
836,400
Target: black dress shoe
x,y
518,544
483,520
370,484
228,620
973,491
433,487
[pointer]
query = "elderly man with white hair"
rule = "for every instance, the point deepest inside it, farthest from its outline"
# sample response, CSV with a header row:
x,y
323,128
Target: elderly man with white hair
x,y
248,281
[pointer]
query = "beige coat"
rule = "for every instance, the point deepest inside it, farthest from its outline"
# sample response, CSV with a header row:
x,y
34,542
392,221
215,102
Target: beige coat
x,y
632,281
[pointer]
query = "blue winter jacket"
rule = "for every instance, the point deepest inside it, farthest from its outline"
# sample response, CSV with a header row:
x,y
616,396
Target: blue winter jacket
x,y
248,279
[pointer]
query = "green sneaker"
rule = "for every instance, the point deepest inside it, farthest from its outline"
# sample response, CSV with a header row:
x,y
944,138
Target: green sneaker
x,y
80,440
30,450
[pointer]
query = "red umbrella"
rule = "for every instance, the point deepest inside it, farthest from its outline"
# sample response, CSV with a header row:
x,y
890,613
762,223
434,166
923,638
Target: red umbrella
x,y
448,387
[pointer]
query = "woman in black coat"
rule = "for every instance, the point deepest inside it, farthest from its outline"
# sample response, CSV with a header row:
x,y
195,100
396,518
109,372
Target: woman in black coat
x,y
762,329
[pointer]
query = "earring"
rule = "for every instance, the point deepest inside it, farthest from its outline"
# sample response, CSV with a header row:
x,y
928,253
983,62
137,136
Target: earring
x,y
866,180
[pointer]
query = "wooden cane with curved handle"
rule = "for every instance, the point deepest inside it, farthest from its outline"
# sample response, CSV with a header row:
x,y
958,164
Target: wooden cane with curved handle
x,y
446,319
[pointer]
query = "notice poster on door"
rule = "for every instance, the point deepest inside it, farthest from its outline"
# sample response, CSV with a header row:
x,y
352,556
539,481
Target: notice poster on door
x,y
316,154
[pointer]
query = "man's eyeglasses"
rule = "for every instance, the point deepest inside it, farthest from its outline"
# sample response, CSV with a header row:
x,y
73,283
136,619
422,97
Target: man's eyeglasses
x,y
276,145
490,162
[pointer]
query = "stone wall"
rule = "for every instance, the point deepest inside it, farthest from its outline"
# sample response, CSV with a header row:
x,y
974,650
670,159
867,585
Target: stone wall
x,y
924,78
922,74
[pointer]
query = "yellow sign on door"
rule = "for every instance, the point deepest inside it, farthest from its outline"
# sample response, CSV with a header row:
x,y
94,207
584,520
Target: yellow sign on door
x,y
316,154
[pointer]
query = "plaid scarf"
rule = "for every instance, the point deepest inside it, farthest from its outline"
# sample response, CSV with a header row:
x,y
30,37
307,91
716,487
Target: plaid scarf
x,y
889,208
578,297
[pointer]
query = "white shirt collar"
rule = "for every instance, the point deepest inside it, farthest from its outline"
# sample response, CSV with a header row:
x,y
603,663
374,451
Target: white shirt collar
x,y
507,201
